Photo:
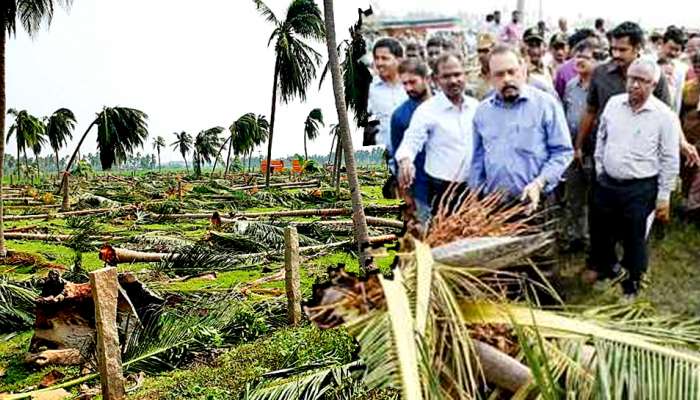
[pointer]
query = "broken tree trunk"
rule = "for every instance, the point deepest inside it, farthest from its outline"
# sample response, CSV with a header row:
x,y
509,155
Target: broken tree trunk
x,y
501,369
371,221
291,275
50,237
105,293
65,204
67,214
311,212
284,185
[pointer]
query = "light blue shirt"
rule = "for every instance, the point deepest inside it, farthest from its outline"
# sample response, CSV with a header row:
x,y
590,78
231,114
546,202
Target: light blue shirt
x,y
383,99
516,143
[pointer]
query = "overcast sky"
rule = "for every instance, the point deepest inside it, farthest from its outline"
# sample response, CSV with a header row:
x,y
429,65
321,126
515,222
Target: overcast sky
x,y
194,65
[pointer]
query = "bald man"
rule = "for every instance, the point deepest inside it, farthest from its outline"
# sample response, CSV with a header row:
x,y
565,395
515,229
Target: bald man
x,y
636,160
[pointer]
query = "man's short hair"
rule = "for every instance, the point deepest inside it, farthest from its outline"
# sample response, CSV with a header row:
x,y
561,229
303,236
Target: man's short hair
x,y
413,66
489,17
445,57
599,23
675,34
505,49
586,45
695,59
650,65
435,41
629,30
392,44
580,35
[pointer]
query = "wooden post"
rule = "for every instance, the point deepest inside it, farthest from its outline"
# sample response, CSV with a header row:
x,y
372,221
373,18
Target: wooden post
x,y
65,206
291,274
105,290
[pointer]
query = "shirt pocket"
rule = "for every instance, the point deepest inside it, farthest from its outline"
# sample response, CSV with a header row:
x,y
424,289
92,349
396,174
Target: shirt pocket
x,y
529,140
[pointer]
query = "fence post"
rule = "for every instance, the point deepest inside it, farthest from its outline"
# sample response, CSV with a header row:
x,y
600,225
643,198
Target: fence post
x,y
291,274
105,291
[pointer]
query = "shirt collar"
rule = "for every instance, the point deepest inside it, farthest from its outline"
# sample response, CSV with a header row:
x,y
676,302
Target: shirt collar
x,y
612,67
446,104
647,106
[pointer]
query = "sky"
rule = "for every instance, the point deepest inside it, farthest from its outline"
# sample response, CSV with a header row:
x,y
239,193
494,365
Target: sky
x,y
194,65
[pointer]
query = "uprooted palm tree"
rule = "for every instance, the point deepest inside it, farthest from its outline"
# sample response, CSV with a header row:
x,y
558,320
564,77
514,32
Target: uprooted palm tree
x,y
184,145
158,144
295,61
28,131
59,129
32,14
312,125
455,323
120,130
206,144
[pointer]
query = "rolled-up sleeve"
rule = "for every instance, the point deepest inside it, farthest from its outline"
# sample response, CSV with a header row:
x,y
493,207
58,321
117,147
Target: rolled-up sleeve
x,y
669,157
416,135
559,148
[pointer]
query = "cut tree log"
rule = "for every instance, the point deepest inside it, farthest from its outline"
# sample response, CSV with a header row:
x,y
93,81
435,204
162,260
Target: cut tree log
x,y
114,255
501,369
285,185
51,237
371,221
311,212
68,214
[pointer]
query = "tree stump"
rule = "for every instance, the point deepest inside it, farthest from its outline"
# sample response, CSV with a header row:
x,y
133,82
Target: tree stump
x,y
291,274
105,292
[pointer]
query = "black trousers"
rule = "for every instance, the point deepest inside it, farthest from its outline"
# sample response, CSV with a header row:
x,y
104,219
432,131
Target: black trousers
x,y
620,212
436,190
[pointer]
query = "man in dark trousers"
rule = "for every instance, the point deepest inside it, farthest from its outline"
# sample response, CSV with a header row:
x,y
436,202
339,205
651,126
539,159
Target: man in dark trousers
x,y
637,159
415,76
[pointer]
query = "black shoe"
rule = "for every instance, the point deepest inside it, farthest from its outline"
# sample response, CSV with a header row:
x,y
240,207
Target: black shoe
x,y
630,287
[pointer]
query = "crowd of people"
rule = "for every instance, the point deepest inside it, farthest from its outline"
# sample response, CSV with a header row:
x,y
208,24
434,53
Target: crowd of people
x,y
600,123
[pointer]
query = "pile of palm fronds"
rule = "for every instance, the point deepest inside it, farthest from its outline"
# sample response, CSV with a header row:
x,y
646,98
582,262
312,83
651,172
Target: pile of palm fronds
x,y
16,304
464,214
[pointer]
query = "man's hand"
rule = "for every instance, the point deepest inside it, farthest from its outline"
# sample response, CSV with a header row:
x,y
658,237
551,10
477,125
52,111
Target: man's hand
x,y
690,153
532,193
406,173
663,211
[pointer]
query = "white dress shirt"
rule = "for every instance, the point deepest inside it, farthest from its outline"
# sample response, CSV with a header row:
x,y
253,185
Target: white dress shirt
x,y
446,132
383,99
639,144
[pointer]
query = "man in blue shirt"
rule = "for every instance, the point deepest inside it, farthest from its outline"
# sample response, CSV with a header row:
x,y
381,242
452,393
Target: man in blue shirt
x,y
522,144
414,75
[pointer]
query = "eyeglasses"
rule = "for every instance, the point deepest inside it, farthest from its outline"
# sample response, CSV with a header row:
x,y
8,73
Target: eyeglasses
x,y
639,80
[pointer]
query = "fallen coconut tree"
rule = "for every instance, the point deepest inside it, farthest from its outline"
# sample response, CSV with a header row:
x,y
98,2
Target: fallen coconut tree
x,y
48,237
114,255
66,214
311,212
284,185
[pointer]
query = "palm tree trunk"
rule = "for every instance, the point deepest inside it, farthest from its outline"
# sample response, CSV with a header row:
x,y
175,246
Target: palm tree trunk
x,y
3,38
272,125
250,159
75,153
26,163
159,159
306,154
338,166
19,163
216,159
58,167
332,145
228,157
187,169
358,215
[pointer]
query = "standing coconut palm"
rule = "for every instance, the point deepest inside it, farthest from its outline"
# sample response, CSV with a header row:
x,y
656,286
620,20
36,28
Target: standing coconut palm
x,y
27,129
120,130
358,211
59,129
37,143
295,61
258,137
184,144
240,138
205,145
32,14
158,144
313,123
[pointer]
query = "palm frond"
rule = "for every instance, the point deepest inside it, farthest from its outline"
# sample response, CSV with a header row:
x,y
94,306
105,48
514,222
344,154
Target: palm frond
x,y
266,12
16,304
120,130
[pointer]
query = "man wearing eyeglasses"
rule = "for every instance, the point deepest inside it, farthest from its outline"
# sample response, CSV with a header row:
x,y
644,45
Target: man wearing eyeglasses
x,y
637,159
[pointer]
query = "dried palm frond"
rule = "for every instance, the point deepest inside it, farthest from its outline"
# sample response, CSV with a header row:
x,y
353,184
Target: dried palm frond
x,y
465,214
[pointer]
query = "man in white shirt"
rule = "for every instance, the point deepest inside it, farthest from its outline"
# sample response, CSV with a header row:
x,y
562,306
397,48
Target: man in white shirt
x,y
637,161
443,124
386,92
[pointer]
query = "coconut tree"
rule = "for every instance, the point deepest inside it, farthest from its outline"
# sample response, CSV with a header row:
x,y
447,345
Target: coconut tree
x,y
158,144
120,130
295,60
59,129
358,212
32,14
312,125
334,135
37,143
184,145
206,144
28,130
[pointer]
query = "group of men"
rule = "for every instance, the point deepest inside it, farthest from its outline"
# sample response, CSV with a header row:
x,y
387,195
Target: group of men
x,y
594,122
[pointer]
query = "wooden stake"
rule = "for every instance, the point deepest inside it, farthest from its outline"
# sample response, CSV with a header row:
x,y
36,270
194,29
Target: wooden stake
x,y
291,274
105,290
